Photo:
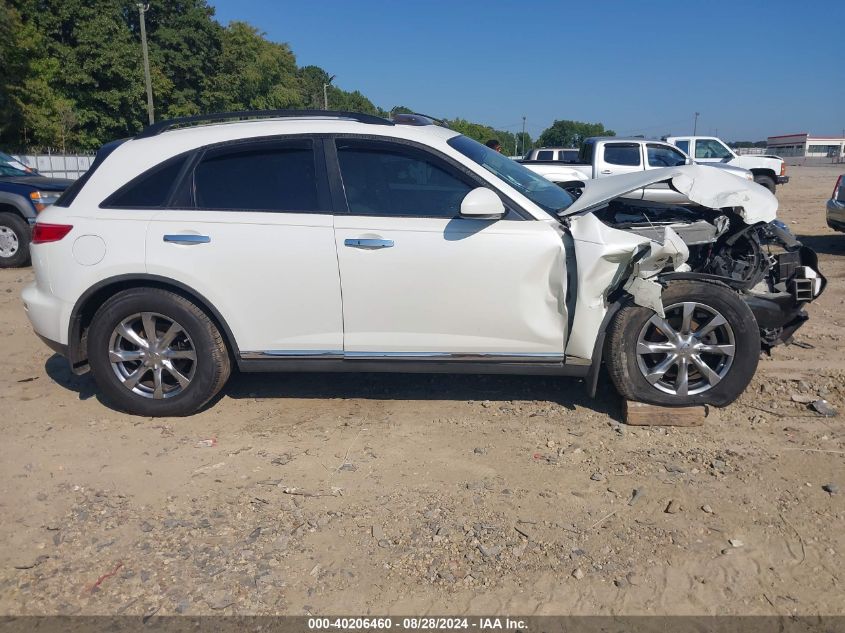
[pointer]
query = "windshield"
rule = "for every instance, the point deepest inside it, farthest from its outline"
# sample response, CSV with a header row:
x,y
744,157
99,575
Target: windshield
x,y
546,195
7,170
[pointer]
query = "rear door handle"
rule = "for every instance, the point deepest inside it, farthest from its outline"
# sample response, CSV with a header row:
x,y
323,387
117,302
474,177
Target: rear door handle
x,y
187,238
369,244
606,171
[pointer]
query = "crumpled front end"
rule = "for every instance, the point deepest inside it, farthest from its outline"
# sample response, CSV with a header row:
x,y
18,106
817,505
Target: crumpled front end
x,y
727,233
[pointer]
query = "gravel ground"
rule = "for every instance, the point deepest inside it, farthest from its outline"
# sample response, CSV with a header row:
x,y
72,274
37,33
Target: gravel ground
x,y
318,494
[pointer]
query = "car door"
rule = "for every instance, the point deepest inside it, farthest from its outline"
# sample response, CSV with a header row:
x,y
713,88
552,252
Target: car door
x,y
420,282
620,158
710,150
250,229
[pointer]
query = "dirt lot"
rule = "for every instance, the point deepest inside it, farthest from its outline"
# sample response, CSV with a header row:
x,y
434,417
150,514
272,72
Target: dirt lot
x,y
412,494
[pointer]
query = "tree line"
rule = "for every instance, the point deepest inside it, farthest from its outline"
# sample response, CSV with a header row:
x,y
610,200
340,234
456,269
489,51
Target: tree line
x,y
71,75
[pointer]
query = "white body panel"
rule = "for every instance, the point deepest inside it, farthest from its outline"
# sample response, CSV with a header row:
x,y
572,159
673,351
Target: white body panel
x,y
457,286
272,275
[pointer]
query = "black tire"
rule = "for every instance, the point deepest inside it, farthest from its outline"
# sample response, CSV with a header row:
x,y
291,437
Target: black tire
x,y
14,241
767,181
625,365
208,371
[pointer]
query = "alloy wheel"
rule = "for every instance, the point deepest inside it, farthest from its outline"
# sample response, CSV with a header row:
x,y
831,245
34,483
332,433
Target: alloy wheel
x,y
152,355
688,352
8,242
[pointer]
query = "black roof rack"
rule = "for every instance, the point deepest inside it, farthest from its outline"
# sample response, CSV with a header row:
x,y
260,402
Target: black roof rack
x,y
157,128
415,118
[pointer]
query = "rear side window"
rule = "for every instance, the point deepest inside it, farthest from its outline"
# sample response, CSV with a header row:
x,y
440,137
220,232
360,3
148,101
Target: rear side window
x,y
150,190
622,154
683,146
545,154
258,177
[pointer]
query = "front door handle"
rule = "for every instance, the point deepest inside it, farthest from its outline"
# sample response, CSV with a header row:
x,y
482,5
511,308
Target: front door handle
x,y
187,238
606,171
369,244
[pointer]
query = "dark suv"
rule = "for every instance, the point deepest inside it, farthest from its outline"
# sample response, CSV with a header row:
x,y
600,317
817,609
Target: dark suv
x,y
22,196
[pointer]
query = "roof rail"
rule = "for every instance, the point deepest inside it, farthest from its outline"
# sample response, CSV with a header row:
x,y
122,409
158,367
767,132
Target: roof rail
x,y
157,128
415,118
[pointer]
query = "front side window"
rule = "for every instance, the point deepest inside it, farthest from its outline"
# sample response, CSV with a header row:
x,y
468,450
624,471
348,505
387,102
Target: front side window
x,y
627,154
683,146
664,156
710,148
272,176
545,194
392,179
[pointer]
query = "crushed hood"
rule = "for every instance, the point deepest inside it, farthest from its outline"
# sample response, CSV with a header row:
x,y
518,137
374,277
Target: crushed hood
x,y
712,188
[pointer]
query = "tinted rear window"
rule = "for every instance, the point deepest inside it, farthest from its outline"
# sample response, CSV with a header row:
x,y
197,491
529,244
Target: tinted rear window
x,y
545,155
150,190
271,177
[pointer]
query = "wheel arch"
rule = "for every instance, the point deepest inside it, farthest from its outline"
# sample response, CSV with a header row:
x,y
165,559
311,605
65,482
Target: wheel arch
x,y
763,171
17,204
621,300
91,300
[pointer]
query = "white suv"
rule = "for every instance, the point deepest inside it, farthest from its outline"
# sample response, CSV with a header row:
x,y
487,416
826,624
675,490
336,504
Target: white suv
x,y
321,241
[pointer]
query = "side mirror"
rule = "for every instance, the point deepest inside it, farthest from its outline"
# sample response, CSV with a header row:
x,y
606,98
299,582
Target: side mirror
x,y
482,204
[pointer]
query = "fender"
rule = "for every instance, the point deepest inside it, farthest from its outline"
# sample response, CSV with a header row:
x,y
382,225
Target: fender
x,y
76,352
20,204
621,301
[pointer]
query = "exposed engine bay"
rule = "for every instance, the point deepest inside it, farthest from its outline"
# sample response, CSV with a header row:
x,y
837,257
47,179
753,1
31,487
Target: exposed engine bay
x,y
773,271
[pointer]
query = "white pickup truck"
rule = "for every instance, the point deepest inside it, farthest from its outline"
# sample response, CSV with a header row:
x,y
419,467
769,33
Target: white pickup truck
x,y
768,170
603,156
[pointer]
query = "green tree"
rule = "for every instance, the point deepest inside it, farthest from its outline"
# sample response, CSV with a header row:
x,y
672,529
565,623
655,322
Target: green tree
x,y
185,43
253,73
571,133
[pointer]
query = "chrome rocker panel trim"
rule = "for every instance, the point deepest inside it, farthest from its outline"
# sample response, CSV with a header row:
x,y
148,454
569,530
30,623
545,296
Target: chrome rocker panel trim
x,y
408,362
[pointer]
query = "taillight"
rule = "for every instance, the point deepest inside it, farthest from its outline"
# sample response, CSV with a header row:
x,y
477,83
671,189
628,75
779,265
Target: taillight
x,y
836,187
783,169
43,233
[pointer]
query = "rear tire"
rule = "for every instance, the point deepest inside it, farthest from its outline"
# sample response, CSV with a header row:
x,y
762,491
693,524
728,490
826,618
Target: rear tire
x,y
718,362
767,181
155,353
14,241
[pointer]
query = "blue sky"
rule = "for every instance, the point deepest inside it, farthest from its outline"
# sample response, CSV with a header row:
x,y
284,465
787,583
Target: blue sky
x,y
752,69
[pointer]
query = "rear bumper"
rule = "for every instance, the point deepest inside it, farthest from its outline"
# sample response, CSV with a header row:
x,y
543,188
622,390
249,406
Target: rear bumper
x,y
782,180
55,346
45,313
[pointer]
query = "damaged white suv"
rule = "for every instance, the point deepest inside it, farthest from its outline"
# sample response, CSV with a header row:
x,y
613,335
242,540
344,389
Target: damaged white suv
x,y
326,241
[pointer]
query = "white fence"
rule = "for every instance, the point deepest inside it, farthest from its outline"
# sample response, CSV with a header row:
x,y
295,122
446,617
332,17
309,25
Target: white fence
x,y
58,165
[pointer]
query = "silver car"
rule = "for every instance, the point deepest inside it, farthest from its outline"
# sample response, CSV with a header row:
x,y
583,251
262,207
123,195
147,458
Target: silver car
x,y
836,206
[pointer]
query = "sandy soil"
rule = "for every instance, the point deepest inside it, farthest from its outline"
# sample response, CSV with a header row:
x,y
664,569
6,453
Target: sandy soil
x,y
412,494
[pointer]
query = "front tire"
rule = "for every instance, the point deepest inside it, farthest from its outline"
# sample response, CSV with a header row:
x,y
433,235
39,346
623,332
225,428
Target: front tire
x,y
767,181
155,353
704,352
14,241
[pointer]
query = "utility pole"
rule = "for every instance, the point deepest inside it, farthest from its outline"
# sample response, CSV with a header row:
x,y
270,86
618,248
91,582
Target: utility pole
x,y
695,125
326,92
522,139
142,9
